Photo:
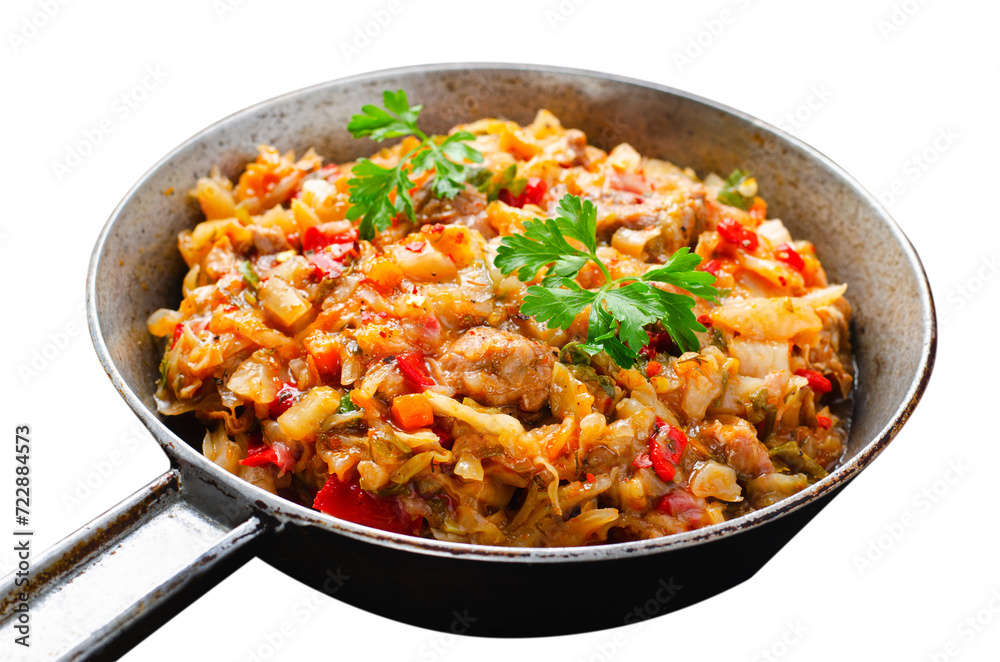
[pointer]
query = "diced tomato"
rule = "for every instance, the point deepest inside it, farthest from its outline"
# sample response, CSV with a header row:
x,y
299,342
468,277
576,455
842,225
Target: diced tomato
x,y
411,366
789,256
676,502
824,422
735,233
348,501
325,266
713,267
817,382
285,399
533,193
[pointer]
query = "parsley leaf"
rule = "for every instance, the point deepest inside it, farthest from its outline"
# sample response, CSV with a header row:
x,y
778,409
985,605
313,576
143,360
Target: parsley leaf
x,y
622,308
730,193
372,187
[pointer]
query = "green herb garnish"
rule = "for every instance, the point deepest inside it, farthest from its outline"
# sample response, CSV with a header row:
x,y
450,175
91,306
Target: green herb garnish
x,y
371,188
621,308
730,193
249,275
346,405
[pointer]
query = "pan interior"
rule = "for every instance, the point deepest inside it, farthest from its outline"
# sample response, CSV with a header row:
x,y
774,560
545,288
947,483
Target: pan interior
x,y
139,269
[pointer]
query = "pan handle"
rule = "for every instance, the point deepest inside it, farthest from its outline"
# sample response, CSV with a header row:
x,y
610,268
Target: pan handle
x,y
103,589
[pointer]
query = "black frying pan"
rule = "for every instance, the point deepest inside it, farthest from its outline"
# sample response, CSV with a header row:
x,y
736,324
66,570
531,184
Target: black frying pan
x,y
106,586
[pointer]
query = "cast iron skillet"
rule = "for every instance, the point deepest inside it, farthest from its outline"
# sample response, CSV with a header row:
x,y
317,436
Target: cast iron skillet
x,y
111,583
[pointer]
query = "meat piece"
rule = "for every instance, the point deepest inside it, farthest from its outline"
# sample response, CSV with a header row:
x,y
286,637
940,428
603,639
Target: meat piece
x,y
498,368
268,240
678,215
734,440
467,208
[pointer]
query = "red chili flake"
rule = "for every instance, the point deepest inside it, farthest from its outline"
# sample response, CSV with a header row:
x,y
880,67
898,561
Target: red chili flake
x,y
817,382
590,478
824,422
653,368
781,279
733,232
415,246
704,320
790,256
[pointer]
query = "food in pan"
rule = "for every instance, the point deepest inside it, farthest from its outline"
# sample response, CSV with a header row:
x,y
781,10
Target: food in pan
x,y
505,336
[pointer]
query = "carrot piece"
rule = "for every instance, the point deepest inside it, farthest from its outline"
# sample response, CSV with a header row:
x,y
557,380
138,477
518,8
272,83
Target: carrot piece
x,y
412,411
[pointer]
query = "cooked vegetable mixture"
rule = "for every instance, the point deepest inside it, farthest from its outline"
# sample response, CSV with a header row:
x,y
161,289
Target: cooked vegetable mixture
x,y
505,336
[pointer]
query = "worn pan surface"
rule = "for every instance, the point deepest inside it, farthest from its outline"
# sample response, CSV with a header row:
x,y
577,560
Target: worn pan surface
x,y
114,581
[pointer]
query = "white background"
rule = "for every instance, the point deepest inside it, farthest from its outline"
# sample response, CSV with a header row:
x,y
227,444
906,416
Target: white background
x,y
890,570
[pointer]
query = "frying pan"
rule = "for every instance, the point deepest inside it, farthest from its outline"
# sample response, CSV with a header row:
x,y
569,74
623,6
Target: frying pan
x,y
109,584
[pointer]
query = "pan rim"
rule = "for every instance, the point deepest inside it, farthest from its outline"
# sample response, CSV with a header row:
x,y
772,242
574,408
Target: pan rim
x,y
288,513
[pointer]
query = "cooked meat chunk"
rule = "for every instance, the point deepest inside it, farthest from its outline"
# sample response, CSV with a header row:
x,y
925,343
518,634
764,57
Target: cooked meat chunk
x,y
467,208
735,441
499,368
268,240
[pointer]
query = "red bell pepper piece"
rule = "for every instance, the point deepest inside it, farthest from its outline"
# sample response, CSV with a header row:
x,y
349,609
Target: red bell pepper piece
x,y
817,382
533,193
642,461
314,238
411,366
325,265
348,501
676,443
260,454
734,232
285,399
789,256
178,332
444,438
713,267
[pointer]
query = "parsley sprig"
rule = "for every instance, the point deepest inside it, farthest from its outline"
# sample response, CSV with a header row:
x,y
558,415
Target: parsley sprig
x,y
731,193
621,308
372,185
